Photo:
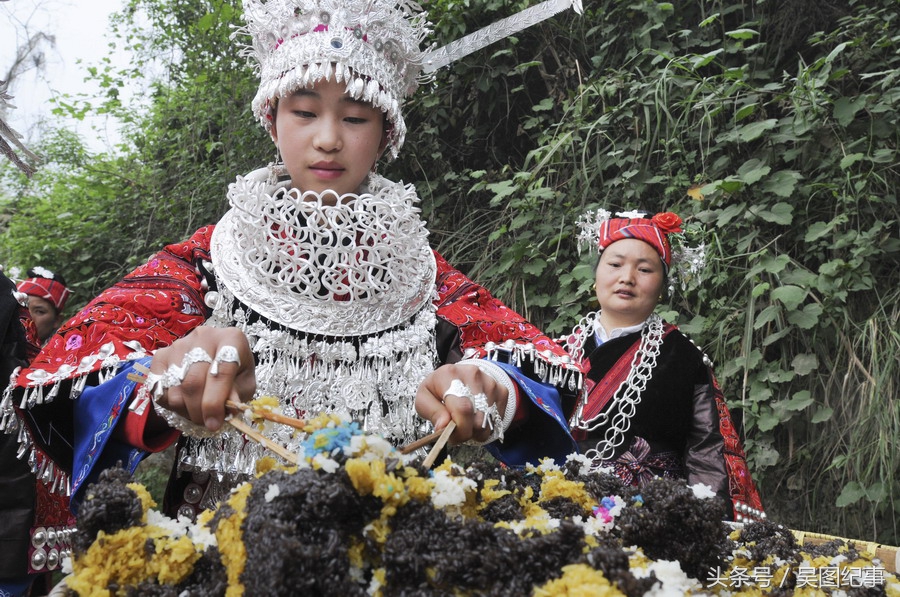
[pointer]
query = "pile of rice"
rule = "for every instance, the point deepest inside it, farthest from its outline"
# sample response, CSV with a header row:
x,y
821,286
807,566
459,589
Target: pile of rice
x,y
358,518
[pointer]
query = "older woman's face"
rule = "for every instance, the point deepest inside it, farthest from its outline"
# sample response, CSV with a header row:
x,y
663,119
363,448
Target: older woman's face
x,y
629,280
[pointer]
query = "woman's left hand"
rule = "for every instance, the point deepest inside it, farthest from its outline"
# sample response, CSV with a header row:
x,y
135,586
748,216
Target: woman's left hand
x,y
435,403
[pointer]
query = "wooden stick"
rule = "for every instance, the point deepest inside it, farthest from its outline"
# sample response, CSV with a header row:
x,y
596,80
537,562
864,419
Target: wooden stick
x,y
262,439
424,441
439,444
263,413
141,375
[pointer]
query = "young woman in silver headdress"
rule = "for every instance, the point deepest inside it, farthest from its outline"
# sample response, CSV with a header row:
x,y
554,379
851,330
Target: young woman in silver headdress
x,y
318,287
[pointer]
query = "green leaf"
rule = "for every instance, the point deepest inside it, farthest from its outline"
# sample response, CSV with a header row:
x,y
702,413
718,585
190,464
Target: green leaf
x,y
845,109
833,267
850,159
774,264
544,105
837,50
877,492
704,59
760,289
804,364
782,182
534,267
767,421
822,414
780,213
817,230
742,33
730,185
206,22
766,316
799,401
790,296
753,170
755,130
501,190
807,318
710,19
850,494
772,338
744,112
729,213
884,156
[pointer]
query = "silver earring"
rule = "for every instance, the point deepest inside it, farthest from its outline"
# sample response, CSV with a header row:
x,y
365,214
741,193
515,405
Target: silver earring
x,y
277,169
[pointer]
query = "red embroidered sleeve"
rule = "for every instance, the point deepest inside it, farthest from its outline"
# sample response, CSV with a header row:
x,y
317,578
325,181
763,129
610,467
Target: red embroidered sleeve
x,y
481,318
151,307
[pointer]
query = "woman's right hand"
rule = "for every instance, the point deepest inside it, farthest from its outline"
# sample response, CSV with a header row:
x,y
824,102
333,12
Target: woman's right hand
x,y
435,403
201,396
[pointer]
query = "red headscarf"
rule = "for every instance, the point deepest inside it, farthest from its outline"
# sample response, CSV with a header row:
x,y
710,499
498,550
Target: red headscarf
x,y
44,284
653,231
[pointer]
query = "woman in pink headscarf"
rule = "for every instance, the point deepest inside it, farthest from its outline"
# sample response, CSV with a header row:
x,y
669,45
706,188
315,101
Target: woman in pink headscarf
x,y
46,294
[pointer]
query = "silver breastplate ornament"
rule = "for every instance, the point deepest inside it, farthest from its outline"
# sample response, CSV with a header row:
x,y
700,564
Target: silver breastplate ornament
x,y
336,296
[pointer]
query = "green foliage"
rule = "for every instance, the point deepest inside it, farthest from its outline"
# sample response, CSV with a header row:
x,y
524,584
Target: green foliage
x,y
772,124
188,130
792,149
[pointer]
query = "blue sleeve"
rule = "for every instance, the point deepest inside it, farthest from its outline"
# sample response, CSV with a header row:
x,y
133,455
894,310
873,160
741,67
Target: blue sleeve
x,y
97,412
545,433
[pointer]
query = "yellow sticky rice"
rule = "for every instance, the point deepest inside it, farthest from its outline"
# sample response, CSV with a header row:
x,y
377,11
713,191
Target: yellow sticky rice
x,y
231,542
578,580
170,561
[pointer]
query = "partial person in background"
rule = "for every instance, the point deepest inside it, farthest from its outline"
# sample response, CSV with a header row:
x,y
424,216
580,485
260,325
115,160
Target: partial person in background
x,y
18,485
651,405
34,519
45,294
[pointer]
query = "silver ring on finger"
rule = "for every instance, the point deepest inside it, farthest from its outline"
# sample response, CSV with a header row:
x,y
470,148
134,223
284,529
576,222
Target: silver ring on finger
x,y
226,354
480,403
158,383
194,355
457,388
154,385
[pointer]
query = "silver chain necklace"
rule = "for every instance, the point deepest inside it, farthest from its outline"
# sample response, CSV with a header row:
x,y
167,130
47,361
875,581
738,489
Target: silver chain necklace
x,y
617,416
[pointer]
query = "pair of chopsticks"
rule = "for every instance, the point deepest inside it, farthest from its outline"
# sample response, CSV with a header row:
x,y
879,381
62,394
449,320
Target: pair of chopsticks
x,y
439,437
236,408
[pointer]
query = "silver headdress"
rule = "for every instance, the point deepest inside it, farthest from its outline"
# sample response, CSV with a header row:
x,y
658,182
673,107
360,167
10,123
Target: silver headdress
x,y
373,46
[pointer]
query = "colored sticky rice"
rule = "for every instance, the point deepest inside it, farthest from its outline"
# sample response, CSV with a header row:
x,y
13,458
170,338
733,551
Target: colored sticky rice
x,y
358,518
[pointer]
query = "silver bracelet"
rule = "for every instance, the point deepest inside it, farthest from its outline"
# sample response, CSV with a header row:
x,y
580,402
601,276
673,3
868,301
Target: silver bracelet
x,y
501,377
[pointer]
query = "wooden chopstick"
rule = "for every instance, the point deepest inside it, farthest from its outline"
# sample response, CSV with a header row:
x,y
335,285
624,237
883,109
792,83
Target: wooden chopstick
x,y
438,445
141,375
261,439
439,437
266,414
239,424
423,441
